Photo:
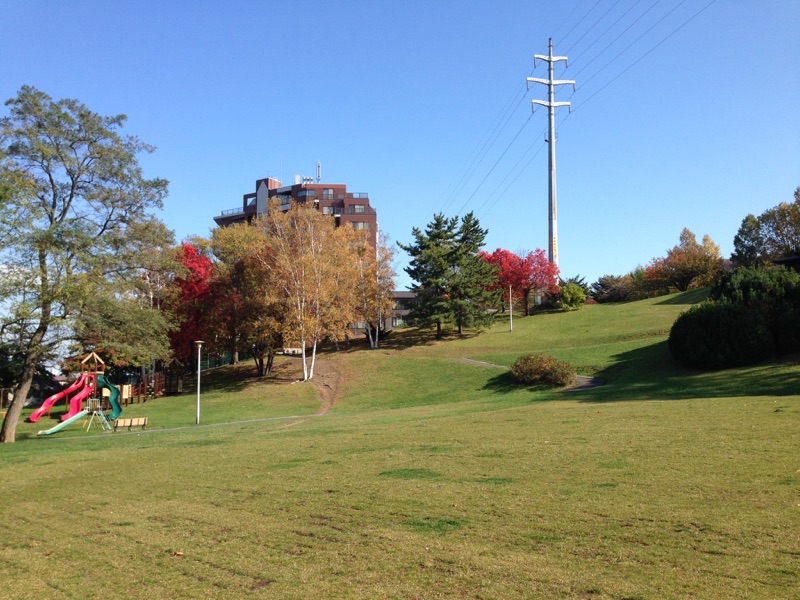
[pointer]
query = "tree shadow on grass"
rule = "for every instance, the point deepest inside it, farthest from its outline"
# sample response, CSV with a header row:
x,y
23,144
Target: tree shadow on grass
x,y
650,373
235,378
396,339
690,297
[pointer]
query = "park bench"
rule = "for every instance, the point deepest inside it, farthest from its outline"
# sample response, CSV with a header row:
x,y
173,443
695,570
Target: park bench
x,y
131,423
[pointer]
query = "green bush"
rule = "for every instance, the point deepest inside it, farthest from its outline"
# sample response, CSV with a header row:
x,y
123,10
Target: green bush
x,y
718,335
571,296
772,292
543,369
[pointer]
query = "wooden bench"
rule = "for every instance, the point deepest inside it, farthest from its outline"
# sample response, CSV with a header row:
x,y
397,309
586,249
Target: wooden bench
x,y
131,423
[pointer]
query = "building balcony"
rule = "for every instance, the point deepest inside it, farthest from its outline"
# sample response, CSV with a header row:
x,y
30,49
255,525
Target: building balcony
x,y
232,211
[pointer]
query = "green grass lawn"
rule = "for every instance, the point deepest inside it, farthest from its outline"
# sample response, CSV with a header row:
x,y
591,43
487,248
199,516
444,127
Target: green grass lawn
x,y
431,478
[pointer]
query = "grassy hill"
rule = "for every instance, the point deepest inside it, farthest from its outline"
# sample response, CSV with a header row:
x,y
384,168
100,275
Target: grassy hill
x,y
431,477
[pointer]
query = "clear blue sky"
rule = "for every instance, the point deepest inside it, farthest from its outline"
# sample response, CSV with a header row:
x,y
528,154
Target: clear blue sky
x,y
680,119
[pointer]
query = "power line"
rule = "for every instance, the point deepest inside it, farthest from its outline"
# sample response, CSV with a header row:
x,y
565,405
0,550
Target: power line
x,y
566,35
541,144
557,33
638,60
614,41
609,28
592,26
482,148
495,164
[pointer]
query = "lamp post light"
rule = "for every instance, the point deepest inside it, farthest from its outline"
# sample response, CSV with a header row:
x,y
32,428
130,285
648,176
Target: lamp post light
x,y
199,344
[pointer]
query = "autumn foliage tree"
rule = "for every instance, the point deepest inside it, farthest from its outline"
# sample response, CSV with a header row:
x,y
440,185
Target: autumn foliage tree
x,y
246,310
510,274
191,303
688,265
374,283
312,260
542,276
526,275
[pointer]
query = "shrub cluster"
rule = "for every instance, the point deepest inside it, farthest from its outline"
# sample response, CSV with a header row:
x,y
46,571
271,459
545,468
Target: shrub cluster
x,y
544,369
753,314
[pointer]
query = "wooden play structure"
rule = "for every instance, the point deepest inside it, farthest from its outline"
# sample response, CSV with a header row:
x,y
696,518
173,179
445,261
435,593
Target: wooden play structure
x,y
82,398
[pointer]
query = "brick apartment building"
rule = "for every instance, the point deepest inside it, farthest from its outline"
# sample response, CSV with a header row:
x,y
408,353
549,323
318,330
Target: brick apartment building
x,y
329,198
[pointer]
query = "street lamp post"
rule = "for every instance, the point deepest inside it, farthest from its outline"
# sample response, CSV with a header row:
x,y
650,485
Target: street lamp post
x,y
510,310
199,344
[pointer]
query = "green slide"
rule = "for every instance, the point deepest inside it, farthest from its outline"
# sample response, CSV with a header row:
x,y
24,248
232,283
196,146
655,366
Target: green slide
x,y
63,424
116,409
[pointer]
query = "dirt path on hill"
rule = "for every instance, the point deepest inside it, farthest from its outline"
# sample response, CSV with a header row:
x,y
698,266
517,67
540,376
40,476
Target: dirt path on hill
x,y
326,380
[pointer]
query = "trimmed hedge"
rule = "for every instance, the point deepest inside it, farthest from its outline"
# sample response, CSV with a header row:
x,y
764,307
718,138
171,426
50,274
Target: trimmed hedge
x,y
543,369
720,335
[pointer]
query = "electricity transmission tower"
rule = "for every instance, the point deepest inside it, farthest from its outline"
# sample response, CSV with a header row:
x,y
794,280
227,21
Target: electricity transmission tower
x,y
551,104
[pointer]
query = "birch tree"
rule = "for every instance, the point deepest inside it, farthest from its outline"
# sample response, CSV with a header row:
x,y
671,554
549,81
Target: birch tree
x,y
309,255
374,283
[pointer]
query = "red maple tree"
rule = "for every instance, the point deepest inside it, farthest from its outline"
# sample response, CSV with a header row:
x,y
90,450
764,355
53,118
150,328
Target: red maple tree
x,y
195,289
524,274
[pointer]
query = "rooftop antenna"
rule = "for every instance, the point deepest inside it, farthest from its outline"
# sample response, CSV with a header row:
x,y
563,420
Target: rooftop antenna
x,y
319,171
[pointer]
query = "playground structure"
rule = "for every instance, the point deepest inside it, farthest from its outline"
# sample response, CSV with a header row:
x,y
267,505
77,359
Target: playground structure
x,y
91,379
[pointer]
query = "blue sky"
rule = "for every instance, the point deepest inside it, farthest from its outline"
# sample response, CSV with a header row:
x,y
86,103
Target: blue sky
x,y
685,114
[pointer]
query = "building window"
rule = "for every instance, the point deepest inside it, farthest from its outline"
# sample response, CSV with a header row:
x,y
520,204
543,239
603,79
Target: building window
x,y
360,225
398,322
327,210
327,194
304,193
356,209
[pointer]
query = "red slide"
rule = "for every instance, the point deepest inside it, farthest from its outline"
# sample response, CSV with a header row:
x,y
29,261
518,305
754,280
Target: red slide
x,y
77,400
81,382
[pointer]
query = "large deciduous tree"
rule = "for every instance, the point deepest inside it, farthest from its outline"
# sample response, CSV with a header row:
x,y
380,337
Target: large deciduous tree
x,y
73,193
247,311
453,281
773,235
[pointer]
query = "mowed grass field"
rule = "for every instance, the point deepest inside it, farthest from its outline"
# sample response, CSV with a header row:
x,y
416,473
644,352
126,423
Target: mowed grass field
x,y
431,477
